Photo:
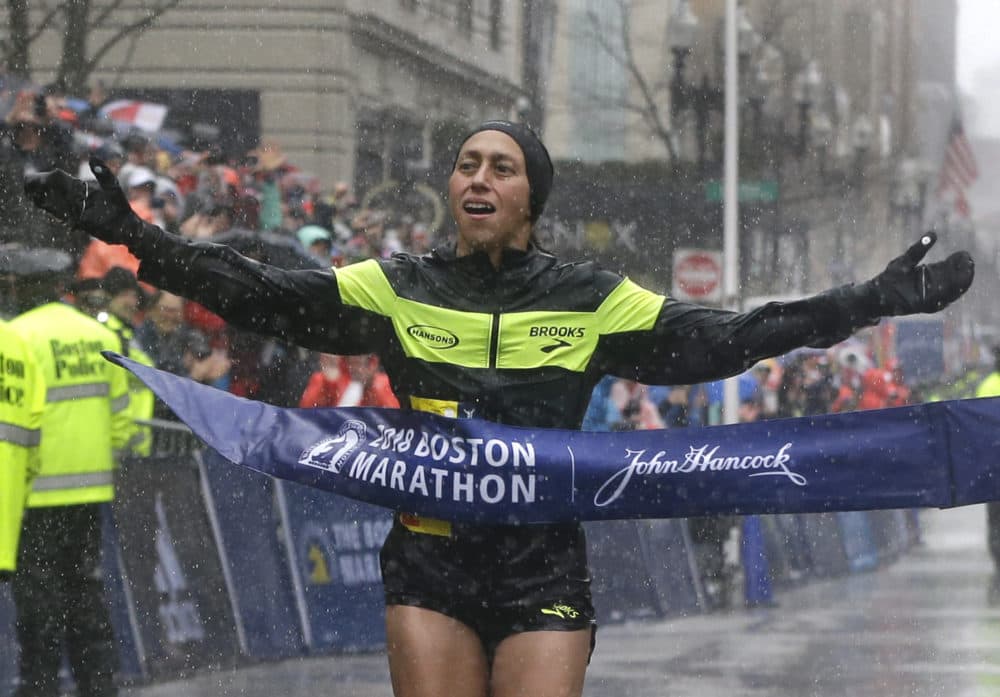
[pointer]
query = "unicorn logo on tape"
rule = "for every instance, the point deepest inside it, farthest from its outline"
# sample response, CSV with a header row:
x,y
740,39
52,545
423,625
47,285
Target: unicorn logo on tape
x,y
330,454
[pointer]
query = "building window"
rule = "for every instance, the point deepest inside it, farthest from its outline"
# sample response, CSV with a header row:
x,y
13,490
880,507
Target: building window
x,y
496,24
463,15
598,83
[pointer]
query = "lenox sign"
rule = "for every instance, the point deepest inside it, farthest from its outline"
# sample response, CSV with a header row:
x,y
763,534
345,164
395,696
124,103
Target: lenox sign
x,y
697,275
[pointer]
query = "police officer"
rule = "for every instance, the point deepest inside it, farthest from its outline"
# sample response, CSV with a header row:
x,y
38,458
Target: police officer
x,y
58,586
22,397
122,298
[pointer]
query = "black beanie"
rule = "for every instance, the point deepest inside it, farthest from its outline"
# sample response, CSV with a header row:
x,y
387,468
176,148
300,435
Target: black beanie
x,y
536,160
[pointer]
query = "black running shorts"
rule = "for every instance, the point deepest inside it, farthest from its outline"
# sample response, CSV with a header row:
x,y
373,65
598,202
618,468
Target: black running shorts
x,y
498,580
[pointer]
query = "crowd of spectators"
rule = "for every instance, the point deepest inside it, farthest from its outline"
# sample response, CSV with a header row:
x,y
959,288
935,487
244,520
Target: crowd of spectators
x,y
257,201
803,383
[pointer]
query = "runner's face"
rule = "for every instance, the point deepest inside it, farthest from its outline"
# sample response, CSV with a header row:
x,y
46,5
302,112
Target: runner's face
x,y
490,195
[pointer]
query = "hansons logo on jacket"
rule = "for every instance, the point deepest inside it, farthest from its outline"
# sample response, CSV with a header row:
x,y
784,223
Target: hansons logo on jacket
x,y
331,453
433,337
698,460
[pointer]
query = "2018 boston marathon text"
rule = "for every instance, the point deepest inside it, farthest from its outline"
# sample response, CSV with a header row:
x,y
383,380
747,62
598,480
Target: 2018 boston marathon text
x,y
374,461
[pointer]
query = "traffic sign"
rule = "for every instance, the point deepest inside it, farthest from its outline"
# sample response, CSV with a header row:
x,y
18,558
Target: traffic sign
x,y
765,190
697,275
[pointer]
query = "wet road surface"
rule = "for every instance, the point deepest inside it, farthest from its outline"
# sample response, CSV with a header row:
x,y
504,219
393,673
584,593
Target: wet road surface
x,y
921,627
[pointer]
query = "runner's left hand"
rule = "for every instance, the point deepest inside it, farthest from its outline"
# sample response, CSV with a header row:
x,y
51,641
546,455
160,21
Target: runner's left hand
x,y
908,287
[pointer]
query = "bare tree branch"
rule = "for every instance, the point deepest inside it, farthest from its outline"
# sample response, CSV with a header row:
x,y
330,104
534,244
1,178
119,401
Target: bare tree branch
x,y
624,55
133,42
48,19
102,17
136,27
17,48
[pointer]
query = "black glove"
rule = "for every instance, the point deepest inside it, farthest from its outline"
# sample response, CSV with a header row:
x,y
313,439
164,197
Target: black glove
x,y
98,208
907,287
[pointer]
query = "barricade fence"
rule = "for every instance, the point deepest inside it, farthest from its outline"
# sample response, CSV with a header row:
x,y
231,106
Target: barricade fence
x,y
210,566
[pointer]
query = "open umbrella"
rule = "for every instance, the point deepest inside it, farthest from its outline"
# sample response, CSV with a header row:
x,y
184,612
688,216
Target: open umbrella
x,y
268,247
145,115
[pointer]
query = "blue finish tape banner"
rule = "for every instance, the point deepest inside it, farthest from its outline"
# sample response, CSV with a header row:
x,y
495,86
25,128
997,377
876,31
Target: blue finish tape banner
x,y
943,454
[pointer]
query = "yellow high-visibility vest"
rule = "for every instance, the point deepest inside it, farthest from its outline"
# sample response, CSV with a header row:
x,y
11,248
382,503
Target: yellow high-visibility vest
x,y
86,405
22,401
990,387
141,399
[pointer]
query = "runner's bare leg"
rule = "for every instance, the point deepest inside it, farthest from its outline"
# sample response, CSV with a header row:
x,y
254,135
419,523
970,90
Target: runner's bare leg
x,y
541,664
432,655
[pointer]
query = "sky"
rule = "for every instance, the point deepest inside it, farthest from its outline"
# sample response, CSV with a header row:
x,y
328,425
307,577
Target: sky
x,y
979,63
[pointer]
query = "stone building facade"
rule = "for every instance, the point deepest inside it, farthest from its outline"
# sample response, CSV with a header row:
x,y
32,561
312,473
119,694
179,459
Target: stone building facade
x,y
318,76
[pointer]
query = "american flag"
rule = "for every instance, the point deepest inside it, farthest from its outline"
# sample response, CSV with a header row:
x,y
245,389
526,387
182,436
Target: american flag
x,y
958,170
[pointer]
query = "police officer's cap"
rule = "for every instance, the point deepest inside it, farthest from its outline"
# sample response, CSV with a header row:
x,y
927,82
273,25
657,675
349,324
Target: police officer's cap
x,y
21,261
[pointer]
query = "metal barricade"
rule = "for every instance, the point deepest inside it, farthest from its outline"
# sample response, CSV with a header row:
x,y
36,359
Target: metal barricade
x,y
171,437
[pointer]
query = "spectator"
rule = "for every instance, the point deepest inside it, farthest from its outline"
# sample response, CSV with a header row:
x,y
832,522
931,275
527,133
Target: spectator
x,y
30,140
674,410
900,393
316,241
114,301
139,152
89,296
792,395
141,187
43,141
848,383
268,163
602,413
59,586
176,347
819,386
111,153
205,224
420,239
168,203
267,369
637,410
348,382
875,387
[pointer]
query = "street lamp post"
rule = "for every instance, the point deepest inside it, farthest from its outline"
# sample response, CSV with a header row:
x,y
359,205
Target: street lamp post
x,y
909,190
862,135
700,98
805,91
822,133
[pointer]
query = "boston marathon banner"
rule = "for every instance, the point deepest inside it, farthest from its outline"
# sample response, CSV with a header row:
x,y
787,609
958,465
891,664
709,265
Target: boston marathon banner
x,y
941,455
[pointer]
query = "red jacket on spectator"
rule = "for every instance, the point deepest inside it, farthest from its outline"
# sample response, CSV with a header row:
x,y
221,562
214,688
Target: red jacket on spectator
x,y
875,389
205,321
101,257
332,385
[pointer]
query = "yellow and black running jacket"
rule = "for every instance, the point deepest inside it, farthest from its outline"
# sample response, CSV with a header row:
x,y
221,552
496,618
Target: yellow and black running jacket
x,y
522,344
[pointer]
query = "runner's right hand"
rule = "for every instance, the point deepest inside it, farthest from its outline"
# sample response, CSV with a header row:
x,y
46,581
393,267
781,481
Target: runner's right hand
x,y
100,209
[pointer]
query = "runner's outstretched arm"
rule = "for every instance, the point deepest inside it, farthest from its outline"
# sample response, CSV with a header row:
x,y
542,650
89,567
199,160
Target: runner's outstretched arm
x,y
299,306
690,343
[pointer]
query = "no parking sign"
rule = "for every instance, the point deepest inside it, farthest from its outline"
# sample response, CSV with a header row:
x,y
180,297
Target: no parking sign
x,y
697,275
